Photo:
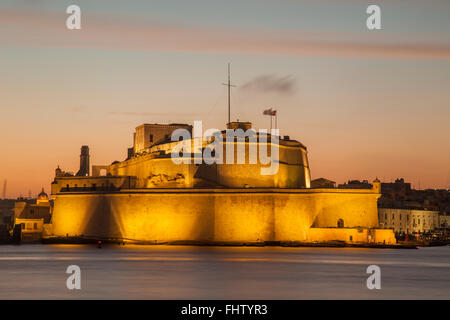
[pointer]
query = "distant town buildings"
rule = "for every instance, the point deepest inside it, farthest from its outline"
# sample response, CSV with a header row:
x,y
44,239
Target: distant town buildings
x,y
322,183
409,220
31,220
25,220
355,184
413,211
402,208
6,218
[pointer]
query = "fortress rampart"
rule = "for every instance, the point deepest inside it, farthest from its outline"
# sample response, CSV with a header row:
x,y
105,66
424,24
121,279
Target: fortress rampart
x,y
150,198
225,215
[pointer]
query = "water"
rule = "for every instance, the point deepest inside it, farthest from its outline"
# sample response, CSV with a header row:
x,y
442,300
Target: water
x,y
188,272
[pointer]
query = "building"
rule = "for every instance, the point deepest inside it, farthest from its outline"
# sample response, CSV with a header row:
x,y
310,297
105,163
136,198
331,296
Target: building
x,y
33,220
409,220
400,195
162,194
6,219
322,183
355,184
84,162
399,189
444,221
148,135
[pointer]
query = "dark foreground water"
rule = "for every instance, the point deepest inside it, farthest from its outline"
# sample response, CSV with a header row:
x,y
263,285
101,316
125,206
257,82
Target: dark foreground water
x,y
185,272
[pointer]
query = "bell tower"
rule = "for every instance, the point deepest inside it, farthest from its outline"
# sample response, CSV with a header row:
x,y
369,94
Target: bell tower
x,y
84,162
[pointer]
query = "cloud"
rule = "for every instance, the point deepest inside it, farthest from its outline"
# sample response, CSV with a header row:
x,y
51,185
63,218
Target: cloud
x,y
269,84
153,114
78,109
39,28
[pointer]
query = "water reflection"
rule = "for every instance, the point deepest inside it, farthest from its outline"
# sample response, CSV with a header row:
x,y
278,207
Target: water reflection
x,y
187,272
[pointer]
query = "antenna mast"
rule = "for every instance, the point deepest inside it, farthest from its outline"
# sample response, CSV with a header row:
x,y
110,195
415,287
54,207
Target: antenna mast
x,y
229,85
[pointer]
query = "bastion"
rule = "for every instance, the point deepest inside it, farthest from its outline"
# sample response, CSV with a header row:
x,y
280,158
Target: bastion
x,y
148,198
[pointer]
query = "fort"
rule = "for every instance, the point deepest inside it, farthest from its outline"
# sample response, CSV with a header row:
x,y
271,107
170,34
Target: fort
x,y
150,198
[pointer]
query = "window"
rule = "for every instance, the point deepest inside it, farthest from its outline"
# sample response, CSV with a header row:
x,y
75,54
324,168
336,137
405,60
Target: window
x,y
166,136
151,138
35,226
29,226
22,225
340,223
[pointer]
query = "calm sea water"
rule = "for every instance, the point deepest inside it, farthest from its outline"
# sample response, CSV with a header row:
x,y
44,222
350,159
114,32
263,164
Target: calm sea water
x,y
188,272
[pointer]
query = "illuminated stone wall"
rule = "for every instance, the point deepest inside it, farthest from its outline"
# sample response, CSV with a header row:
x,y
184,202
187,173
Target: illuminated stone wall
x,y
354,211
339,234
293,169
149,134
89,182
385,236
146,167
352,235
228,215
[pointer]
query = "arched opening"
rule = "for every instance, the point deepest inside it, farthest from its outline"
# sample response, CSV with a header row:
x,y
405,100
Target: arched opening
x,y
340,223
103,172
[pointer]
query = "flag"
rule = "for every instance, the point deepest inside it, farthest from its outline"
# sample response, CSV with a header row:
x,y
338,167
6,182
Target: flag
x,y
268,112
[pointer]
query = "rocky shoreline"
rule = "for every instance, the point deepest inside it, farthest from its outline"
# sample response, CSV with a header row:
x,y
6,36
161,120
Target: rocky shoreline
x,y
329,244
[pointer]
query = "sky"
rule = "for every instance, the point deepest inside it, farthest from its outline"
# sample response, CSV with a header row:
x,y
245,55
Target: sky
x,y
366,103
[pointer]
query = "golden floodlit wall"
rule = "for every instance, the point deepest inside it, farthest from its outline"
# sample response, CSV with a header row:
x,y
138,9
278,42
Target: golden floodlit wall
x,y
339,234
352,210
293,168
385,236
145,167
227,215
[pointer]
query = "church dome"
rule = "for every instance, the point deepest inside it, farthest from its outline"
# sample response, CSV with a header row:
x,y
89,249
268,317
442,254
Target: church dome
x,y
42,195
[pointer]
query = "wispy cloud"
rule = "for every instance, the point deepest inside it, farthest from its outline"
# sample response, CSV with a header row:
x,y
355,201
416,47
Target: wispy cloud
x,y
153,114
270,84
78,109
47,29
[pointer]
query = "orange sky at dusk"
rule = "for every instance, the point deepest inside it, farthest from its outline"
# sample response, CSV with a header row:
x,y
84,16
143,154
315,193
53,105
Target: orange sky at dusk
x,y
366,104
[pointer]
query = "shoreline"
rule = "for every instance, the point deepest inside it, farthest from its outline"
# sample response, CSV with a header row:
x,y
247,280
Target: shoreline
x,y
329,244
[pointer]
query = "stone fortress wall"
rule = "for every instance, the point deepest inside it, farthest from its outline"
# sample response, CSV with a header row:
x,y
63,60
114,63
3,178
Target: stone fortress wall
x,y
222,215
155,166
